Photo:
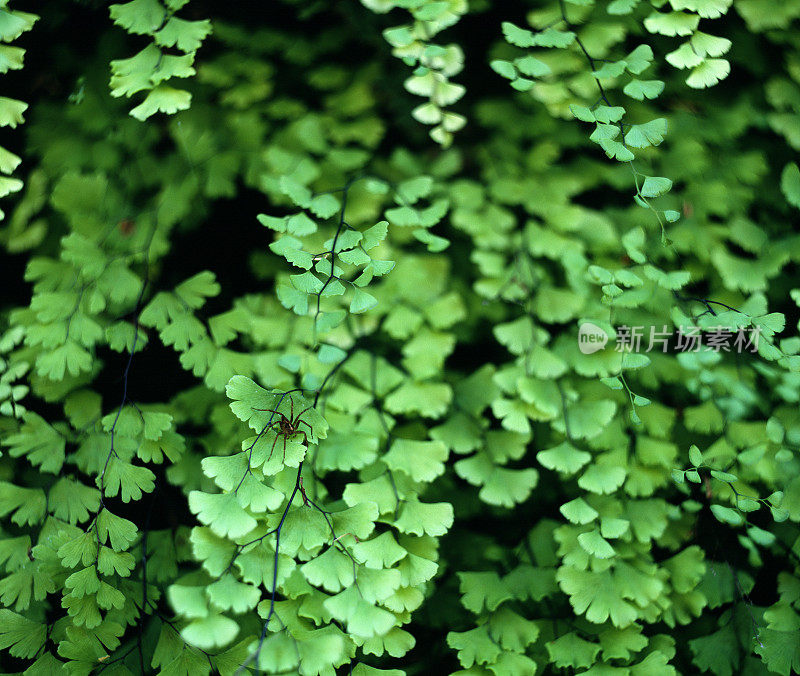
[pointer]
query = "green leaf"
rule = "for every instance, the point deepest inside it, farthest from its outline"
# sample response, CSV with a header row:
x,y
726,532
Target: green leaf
x,y
41,443
514,632
578,511
727,515
227,593
570,650
324,206
308,282
708,73
170,66
155,424
357,520
724,476
552,37
474,646
428,399
582,113
434,243
594,544
615,528
362,669
362,301
418,518
708,9
15,23
83,582
709,45
222,513
375,235
598,594
672,281
779,649
563,458
20,636
790,184
587,418
360,617
686,56
532,67
421,460
118,532
621,643
639,59
643,89
649,134
672,23
27,504
71,501
520,37
11,112
602,478
110,562
379,552
132,75
504,68
141,17
126,479
195,290
214,631
291,249
610,70
606,114
483,590
68,358
508,487
616,150
162,99
655,186
717,652
760,536
185,35
412,190
622,6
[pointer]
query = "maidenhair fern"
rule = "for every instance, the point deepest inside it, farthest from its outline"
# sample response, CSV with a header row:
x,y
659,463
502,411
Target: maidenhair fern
x,y
13,23
154,66
287,386
434,64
